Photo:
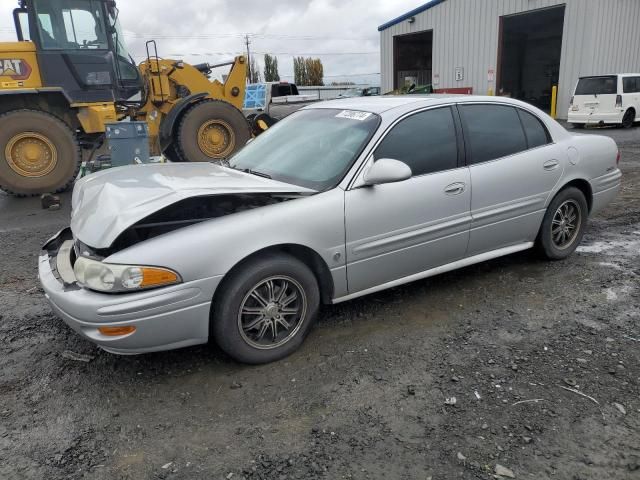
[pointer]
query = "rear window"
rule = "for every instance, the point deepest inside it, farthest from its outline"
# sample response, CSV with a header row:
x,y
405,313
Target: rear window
x,y
631,84
492,131
534,130
597,85
283,89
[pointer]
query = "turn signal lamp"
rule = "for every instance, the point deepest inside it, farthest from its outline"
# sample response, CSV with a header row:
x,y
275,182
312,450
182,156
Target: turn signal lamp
x,y
117,331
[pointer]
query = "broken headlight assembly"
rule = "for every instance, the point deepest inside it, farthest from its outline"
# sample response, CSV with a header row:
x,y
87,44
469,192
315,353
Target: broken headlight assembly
x,y
110,278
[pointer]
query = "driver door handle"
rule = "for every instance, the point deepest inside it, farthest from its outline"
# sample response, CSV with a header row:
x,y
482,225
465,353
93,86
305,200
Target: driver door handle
x,y
455,188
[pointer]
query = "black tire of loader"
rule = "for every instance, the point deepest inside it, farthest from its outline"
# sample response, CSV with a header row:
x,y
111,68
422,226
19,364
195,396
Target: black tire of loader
x,y
186,143
58,133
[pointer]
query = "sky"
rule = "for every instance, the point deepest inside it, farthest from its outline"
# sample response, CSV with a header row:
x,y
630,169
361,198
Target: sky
x,y
343,34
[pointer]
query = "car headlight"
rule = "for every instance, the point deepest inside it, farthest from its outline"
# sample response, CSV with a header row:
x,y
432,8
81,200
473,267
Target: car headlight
x,y
107,277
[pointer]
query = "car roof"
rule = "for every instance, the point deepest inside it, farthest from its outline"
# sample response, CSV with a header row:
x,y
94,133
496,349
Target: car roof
x,y
385,103
611,75
376,104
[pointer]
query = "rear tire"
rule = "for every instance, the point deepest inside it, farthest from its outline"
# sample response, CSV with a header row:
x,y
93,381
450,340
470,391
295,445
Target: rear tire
x,y
39,153
211,130
275,289
628,118
564,224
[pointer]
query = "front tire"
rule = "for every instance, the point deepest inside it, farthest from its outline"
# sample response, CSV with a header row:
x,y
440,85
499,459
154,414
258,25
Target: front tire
x,y
564,224
211,130
265,309
39,153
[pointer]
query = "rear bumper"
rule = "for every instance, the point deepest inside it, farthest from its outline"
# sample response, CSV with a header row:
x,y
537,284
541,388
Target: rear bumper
x,y
165,318
605,189
594,118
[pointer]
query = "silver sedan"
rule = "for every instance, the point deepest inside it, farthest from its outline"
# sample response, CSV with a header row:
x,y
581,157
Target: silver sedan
x,y
340,199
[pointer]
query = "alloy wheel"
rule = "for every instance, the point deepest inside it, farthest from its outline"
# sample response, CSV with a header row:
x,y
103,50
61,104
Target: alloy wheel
x,y
566,224
272,312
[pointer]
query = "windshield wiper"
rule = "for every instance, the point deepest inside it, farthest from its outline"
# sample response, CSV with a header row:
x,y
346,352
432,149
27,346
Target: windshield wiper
x,y
255,172
224,162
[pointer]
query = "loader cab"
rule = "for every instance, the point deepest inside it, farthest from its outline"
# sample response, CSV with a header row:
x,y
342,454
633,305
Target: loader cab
x,y
80,48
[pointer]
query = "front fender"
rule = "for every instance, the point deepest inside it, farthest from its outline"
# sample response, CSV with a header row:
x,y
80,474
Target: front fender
x,y
214,247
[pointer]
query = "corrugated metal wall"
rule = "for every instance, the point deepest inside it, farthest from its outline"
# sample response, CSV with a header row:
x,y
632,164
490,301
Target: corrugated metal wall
x,y
600,36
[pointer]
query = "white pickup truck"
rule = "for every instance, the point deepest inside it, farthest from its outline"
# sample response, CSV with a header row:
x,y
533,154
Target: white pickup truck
x,y
276,99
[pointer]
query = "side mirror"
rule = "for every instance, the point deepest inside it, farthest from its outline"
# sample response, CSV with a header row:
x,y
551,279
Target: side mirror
x,y
387,170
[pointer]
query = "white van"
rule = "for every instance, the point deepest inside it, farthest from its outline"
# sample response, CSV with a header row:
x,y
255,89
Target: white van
x,y
606,99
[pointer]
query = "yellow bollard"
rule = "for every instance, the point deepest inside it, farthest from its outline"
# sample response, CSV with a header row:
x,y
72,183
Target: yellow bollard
x,y
554,99
490,92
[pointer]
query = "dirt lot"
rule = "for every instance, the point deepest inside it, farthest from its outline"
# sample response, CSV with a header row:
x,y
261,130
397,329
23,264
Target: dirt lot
x,y
513,340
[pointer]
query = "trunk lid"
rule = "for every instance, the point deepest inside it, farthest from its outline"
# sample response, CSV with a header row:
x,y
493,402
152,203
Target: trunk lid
x,y
107,203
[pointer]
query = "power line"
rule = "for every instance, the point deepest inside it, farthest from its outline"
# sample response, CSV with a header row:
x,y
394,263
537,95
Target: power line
x,y
208,54
199,36
238,35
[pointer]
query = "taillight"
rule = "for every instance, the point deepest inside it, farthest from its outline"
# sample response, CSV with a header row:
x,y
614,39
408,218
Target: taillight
x,y
571,102
619,101
618,158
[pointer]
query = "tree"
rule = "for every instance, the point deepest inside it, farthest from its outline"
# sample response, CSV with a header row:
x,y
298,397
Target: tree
x,y
315,72
253,72
308,71
271,68
299,71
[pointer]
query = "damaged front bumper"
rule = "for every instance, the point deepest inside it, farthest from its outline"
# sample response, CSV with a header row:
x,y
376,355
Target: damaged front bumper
x,y
165,318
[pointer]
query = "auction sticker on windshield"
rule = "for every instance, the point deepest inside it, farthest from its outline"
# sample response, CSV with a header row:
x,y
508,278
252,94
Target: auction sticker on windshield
x,y
353,115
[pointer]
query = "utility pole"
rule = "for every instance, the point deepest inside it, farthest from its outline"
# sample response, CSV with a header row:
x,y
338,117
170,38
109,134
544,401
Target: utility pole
x,y
246,38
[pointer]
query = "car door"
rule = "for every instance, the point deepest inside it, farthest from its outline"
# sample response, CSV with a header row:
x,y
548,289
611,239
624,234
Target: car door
x,y
400,229
514,166
631,90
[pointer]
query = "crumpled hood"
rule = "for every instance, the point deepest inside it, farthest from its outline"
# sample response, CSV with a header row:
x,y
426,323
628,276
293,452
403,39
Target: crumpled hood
x,y
106,203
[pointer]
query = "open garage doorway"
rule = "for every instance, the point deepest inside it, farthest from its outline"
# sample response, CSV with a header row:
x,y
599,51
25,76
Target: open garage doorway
x,y
412,56
529,55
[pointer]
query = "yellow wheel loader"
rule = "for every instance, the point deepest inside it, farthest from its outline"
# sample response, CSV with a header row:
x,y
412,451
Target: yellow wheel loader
x,y
69,74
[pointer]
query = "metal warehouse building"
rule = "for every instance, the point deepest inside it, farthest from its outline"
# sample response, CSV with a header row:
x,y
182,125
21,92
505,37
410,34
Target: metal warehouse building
x,y
519,48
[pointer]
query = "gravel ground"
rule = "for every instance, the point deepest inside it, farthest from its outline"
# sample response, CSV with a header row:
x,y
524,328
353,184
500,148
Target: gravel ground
x,y
541,358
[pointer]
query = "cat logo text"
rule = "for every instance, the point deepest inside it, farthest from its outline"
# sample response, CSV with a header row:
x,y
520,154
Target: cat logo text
x,y
14,68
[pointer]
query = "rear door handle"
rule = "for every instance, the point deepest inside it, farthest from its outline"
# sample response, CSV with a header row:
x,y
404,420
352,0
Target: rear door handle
x,y
550,164
455,188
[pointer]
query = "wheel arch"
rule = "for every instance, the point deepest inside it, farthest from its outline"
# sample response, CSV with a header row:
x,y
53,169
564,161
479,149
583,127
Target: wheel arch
x,y
581,184
635,113
306,255
172,120
52,102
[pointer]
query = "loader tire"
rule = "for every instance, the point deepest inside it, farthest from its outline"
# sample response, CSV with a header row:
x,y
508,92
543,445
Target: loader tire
x,y
39,153
172,155
211,130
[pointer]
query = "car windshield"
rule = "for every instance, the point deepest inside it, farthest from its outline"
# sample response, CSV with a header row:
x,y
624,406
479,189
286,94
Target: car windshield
x,y
311,148
353,92
597,86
